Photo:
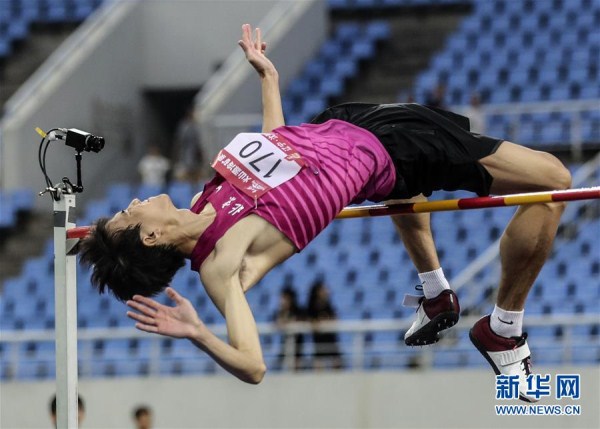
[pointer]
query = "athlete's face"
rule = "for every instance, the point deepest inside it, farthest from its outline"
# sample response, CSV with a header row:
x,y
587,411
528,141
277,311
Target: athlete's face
x,y
152,214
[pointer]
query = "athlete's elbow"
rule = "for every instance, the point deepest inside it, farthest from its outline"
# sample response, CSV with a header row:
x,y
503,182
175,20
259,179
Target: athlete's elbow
x,y
257,374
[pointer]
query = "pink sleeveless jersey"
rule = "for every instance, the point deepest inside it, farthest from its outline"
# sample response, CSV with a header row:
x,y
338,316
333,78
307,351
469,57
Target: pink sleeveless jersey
x,y
345,165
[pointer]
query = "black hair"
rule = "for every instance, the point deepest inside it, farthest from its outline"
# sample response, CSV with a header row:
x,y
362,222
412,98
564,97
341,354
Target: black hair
x,y
293,296
140,411
121,261
80,404
317,308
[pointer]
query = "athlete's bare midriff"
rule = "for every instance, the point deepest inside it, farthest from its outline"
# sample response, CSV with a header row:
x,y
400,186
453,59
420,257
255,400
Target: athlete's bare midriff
x,y
251,247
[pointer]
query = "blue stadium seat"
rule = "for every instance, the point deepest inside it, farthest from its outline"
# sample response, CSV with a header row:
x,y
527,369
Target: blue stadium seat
x,y
5,46
548,354
315,69
35,369
363,50
181,194
18,29
312,106
7,211
96,209
331,49
345,68
118,349
118,368
337,4
347,31
300,86
586,355
119,194
53,11
474,359
146,191
82,10
449,359
364,4
378,30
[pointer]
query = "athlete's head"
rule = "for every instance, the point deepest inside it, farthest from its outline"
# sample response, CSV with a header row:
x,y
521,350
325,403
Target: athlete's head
x,y
132,253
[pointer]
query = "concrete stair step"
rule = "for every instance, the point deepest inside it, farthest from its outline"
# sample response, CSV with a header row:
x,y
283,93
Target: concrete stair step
x,y
416,36
29,55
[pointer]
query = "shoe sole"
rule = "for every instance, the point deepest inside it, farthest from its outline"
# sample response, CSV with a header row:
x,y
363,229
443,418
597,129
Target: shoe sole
x,y
483,352
428,334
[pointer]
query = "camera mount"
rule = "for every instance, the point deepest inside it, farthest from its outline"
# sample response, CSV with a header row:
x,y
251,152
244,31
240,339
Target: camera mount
x,y
79,140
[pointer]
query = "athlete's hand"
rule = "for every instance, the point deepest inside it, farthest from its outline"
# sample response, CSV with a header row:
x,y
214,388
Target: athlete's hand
x,y
181,321
254,48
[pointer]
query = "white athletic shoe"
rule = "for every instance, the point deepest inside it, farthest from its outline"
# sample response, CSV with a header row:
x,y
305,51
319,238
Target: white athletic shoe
x,y
433,316
508,356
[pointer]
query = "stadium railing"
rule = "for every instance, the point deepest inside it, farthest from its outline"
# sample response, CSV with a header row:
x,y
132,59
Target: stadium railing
x,y
356,353
515,111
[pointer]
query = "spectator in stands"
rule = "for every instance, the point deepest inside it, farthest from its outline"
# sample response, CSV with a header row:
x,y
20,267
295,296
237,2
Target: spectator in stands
x,y
240,227
153,167
319,310
437,97
289,311
476,114
142,417
80,407
188,153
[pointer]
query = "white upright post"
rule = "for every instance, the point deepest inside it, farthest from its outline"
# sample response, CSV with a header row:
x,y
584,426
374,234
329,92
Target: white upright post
x,y
65,302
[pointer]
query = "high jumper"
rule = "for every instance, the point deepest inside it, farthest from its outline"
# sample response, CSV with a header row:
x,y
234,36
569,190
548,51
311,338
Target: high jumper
x,y
274,192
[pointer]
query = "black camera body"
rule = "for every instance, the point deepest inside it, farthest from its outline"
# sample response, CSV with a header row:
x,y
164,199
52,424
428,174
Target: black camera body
x,y
82,141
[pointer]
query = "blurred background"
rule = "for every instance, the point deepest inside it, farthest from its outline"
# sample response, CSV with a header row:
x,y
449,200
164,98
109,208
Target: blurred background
x,y
164,82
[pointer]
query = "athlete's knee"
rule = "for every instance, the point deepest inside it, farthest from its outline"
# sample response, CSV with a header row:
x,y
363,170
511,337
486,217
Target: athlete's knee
x,y
551,174
557,177
560,175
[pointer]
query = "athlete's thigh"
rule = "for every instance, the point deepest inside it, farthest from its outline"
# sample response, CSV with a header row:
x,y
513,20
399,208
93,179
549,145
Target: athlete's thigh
x,y
515,168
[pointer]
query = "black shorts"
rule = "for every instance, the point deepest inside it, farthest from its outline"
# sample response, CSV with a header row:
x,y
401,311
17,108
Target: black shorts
x,y
432,149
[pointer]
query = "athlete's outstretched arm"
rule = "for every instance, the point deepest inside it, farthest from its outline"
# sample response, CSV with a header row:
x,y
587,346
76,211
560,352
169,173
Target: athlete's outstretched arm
x,y
271,97
242,357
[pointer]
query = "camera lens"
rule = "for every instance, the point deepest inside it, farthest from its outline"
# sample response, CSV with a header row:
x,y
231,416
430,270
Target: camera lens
x,y
94,144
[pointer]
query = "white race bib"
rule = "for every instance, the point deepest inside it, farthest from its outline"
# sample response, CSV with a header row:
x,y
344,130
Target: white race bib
x,y
256,163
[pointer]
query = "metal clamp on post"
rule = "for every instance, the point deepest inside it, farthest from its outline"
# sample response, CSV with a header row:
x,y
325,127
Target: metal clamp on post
x,y
65,274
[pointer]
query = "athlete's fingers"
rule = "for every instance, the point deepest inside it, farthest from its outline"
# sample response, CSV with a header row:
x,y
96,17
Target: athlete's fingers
x,y
242,41
258,43
141,318
147,302
146,328
263,47
141,308
172,293
247,32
